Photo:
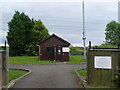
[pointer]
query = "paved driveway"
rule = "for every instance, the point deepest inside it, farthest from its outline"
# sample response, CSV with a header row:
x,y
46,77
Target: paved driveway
x,y
49,76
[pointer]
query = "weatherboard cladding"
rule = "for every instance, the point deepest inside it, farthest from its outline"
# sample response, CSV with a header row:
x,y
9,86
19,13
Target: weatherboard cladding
x,y
53,41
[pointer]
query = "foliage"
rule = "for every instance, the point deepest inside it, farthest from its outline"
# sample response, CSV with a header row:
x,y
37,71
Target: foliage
x,y
20,29
117,78
113,33
32,49
0,48
76,50
106,45
24,35
28,60
39,33
14,74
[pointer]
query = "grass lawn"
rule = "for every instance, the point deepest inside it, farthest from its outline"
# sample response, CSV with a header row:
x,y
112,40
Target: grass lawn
x,y
76,59
27,60
82,72
13,74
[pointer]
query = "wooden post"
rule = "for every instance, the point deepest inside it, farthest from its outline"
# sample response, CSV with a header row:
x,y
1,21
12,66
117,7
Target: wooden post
x,y
118,45
5,66
0,70
4,54
89,44
5,69
6,63
5,45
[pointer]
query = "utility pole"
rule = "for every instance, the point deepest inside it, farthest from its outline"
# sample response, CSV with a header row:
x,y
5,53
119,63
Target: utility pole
x,y
84,38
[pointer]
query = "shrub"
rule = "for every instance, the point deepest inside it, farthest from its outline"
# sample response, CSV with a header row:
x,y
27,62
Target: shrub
x,y
117,78
76,50
32,50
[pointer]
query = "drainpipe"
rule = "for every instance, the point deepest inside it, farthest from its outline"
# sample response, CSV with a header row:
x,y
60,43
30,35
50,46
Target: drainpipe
x,y
54,53
39,51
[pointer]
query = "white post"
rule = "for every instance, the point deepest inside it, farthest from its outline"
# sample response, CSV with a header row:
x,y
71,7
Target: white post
x,y
84,38
119,11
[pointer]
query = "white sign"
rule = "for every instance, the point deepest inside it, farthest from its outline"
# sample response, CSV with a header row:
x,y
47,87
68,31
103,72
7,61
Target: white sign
x,y
59,51
102,62
65,49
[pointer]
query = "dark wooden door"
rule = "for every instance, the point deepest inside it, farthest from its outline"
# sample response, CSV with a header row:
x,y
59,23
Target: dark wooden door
x,y
59,54
65,56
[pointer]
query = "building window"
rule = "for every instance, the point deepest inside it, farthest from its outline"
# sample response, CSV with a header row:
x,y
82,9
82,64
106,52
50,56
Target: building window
x,y
50,49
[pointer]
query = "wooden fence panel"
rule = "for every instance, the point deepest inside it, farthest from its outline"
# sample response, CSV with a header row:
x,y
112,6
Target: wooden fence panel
x,y
3,68
102,77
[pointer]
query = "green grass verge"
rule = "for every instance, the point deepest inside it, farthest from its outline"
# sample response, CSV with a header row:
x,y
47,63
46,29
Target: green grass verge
x,y
82,72
27,60
14,74
76,59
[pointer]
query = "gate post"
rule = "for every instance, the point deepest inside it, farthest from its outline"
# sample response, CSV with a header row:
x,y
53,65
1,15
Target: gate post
x,y
102,66
5,76
0,70
6,64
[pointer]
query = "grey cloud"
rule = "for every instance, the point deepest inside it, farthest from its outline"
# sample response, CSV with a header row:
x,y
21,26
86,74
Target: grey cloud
x,y
65,19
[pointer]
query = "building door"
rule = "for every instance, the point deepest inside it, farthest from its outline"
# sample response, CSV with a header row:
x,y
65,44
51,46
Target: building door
x,y
65,51
59,54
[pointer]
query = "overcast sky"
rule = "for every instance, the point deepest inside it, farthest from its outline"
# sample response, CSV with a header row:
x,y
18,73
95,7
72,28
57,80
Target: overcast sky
x,y
64,18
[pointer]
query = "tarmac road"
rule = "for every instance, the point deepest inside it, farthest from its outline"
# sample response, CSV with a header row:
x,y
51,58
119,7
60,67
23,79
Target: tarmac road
x,y
49,76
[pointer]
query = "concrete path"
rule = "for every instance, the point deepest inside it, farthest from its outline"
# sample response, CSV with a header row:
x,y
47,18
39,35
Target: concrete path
x,y
49,76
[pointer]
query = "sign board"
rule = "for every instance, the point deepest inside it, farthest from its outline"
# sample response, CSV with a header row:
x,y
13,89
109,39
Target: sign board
x,y
59,51
65,49
103,62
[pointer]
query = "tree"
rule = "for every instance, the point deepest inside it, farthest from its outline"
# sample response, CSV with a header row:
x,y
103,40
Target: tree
x,y
113,33
39,33
24,34
19,35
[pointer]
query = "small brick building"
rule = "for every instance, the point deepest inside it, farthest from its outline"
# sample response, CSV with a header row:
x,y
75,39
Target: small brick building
x,y
54,48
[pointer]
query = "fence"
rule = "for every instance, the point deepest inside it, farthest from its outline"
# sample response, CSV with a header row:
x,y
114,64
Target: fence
x,y
102,65
4,53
